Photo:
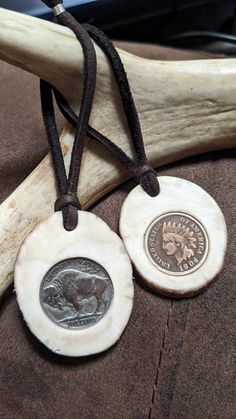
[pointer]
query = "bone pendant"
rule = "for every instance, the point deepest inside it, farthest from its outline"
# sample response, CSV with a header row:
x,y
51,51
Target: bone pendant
x,y
176,240
75,288
185,108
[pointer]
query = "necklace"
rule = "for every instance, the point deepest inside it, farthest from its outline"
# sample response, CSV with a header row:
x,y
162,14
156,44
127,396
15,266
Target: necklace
x,y
73,277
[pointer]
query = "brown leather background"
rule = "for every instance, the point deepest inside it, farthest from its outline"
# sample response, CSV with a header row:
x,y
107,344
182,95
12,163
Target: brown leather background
x,y
176,359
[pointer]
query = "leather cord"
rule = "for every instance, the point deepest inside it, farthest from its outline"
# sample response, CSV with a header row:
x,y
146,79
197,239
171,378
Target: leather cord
x,y
138,170
144,173
68,201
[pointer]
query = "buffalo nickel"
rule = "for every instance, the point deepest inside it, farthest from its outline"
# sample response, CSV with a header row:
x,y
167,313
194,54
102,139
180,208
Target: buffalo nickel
x,y
76,293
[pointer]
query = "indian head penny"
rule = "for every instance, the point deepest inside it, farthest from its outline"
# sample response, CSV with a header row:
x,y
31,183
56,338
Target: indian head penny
x,y
177,243
176,240
74,288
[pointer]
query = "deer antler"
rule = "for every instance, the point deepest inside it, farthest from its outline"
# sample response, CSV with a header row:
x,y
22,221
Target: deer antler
x,y
185,108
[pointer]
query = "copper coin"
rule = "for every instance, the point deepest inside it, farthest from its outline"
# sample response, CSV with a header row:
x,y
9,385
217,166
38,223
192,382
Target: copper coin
x,y
176,243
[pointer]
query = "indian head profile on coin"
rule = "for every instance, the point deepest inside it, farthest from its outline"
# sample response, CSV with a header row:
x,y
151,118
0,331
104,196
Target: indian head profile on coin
x,y
177,243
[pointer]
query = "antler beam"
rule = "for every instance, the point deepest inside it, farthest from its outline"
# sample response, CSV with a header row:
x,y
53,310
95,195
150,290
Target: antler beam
x,y
185,108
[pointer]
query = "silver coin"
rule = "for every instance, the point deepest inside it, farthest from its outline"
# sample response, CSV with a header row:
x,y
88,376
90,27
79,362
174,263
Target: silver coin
x,y
76,293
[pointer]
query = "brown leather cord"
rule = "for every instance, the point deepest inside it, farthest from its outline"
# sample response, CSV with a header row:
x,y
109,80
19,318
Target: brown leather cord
x,y
147,177
124,89
70,115
145,174
67,187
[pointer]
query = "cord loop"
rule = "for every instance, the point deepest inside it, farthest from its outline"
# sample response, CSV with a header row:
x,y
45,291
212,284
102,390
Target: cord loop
x,y
67,185
67,199
147,178
145,174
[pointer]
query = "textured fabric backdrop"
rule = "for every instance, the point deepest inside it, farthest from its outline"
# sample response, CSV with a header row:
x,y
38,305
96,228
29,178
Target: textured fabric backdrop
x,y
175,359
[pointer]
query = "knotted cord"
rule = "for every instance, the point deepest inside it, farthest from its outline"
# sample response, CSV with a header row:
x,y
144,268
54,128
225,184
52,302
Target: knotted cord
x,y
68,201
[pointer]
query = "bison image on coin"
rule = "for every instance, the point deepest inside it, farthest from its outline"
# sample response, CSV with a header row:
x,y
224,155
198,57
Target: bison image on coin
x,y
76,293
177,243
